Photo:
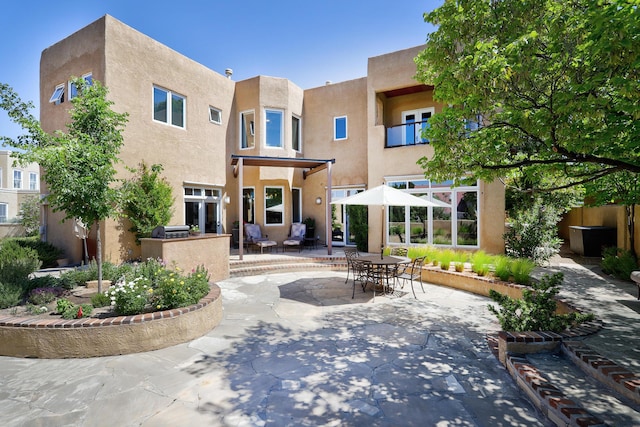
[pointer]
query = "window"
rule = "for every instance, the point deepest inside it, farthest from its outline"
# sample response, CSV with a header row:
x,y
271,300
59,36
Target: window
x,y
247,131
454,223
58,94
296,133
169,107
33,181
17,179
215,115
415,123
340,128
273,205
73,90
3,212
274,128
0,177
202,208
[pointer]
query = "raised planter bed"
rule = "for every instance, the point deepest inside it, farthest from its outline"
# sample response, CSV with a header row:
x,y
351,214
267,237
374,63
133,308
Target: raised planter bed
x,y
108,336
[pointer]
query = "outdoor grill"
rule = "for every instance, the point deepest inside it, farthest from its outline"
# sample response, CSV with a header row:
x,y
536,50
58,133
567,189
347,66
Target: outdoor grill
x,y
170,232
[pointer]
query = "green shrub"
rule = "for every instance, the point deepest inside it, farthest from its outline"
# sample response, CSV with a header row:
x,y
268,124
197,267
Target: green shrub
x,y
47,281
43,296
47,253
445,258
503,268
147,200
100,300
619,263
481,263
521,269
175,291
536,311
69,310
459,259
10,295
16,262
534,232
71,279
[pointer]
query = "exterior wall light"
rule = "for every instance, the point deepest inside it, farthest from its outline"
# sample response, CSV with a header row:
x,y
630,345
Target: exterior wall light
x,y
318,200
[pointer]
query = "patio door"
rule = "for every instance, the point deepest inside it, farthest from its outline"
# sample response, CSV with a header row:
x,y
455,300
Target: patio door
x,y
415,122
342,234
202,208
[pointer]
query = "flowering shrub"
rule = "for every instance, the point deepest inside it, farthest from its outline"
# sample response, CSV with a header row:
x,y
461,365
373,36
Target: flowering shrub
x,y
173,290
156,287
130,297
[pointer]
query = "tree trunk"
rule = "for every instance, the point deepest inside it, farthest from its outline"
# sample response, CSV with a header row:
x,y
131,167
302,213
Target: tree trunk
x,y
99,257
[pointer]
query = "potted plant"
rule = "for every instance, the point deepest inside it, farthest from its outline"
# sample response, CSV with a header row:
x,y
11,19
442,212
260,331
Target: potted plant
x,y
194,230
311,227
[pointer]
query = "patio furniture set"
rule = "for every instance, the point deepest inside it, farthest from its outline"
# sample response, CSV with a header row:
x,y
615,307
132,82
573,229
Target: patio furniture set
x,y
255,238
383,273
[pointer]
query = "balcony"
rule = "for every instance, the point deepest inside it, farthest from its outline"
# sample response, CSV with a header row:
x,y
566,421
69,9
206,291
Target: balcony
x,y
406,134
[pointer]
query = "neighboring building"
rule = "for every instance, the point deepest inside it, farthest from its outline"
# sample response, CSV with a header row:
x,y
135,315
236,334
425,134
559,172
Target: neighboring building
x,y
17,183
192,120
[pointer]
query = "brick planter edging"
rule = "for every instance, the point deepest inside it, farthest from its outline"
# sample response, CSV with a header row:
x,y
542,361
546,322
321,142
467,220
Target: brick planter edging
x,y
558,408
604,370
91,337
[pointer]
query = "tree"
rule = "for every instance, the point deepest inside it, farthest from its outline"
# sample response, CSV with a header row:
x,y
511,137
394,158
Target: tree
x,y
78,165
545,90
30,215
147,200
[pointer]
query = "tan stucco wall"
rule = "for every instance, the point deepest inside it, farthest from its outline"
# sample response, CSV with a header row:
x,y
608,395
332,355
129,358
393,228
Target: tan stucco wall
x,y
351,155
210,251
256,95
608,216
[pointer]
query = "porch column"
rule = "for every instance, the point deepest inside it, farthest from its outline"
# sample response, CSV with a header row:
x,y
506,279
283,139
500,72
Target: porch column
x,y
328,225
240,208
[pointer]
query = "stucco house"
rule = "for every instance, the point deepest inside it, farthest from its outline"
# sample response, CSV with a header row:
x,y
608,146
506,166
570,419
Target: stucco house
x,y
201,125
17,183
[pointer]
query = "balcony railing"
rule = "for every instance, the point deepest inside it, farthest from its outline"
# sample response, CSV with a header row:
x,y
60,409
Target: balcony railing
x,y
406,134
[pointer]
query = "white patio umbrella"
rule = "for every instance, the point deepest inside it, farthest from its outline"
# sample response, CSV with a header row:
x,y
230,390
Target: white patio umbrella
x,y
384,195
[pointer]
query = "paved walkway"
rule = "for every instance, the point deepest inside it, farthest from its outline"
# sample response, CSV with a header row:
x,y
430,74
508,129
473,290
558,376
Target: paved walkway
x,y
294,349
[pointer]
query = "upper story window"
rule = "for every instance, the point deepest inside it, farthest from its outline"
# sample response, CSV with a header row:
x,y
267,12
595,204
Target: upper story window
x,y
274,128
73,89
1,183
33,181
17,179
410,132
58,94
340,128
169,107
3,212
215,115
247,129
296,133
415,123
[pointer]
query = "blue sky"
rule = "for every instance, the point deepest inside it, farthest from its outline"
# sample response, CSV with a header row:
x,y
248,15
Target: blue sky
x,y
308,42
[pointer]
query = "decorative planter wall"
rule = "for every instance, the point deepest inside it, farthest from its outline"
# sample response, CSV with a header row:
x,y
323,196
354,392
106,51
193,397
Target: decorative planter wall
x,y
209,250
91,337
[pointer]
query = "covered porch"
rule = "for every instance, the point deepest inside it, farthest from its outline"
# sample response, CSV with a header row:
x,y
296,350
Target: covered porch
x,y
309,166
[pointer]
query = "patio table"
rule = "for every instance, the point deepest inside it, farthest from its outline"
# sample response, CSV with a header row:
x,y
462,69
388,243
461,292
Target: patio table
x,y
387,263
